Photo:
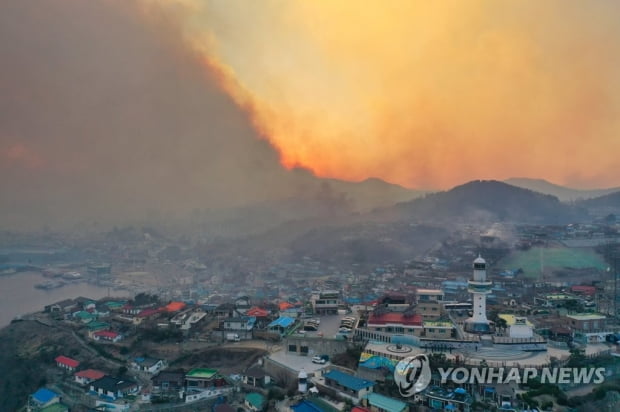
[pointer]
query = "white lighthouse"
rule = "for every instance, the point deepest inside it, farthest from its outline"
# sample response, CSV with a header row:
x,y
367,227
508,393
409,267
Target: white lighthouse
x,y
479,287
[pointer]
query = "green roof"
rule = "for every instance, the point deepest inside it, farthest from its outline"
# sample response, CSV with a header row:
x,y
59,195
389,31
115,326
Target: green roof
x,y
98,325
202,373
84,315
57,407
255,399
586,316
384,403
326,407
113,304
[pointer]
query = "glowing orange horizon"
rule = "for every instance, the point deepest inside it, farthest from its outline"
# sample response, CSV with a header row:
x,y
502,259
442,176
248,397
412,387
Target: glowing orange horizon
x,y
424,94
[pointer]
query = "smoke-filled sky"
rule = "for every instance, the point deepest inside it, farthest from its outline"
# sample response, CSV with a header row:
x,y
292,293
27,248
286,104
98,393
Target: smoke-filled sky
x,y
426,93
118,108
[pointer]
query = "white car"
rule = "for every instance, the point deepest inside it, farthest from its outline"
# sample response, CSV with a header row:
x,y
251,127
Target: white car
x,y
318,359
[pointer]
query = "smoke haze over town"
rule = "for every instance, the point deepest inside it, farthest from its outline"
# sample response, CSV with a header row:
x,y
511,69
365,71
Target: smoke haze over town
x,y
115,111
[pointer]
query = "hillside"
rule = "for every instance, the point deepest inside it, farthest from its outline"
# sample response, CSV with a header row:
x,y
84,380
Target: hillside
x,y
312,198
611,200
565,194
491,200
27,352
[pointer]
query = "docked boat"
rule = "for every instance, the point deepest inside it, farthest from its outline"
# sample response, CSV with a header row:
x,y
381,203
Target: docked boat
x,y
50,284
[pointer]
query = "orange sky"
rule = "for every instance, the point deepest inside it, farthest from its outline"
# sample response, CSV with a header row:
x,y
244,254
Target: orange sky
x,y
424,94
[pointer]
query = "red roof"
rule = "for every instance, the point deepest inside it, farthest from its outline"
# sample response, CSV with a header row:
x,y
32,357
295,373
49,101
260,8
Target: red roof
x,y
175,306
257,312
90,374
285,305
395,318
106,334
67,361
586,290
359,409
148,312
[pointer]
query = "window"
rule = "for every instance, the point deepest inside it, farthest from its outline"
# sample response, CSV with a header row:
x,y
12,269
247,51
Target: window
x,y
303,349
292,348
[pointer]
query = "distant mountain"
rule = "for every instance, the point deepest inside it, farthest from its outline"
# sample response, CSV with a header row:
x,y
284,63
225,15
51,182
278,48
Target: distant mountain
x,y
319,199
565,194
611,200
373,192
487,201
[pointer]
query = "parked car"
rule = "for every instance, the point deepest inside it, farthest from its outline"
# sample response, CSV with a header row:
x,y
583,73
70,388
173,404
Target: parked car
x,y
319,360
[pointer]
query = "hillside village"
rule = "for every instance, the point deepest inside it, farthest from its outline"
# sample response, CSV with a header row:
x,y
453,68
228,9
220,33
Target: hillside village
x,y
191,324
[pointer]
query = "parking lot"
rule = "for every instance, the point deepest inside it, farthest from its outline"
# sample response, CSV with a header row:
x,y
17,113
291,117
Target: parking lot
x,y
297,362
328,327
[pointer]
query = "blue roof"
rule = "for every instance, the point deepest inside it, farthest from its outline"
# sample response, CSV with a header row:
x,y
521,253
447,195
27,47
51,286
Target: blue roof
x,y
282,322
348,381
377,362
384,403
305,406
44,395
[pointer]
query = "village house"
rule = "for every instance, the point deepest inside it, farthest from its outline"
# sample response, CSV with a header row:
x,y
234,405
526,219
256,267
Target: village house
x,y
255,401
42,398
202,378
256,376
114,388
87,376
240,324
62,307
107,336
379,403
281,325
348,386
66,363
168,382
148,365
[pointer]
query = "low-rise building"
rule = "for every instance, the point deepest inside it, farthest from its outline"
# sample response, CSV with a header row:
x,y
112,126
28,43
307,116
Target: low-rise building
x,y
66,363
256,376
242,325
429,295
326,302
107,336
396,322
588,327
42,398
148,365
348,386
281,325
438,329
255,401
379,403
114,388
202,378
439,398
168,382
87,376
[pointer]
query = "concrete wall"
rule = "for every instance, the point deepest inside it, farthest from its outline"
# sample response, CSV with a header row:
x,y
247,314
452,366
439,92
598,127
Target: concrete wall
x,y
283,375
317,346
